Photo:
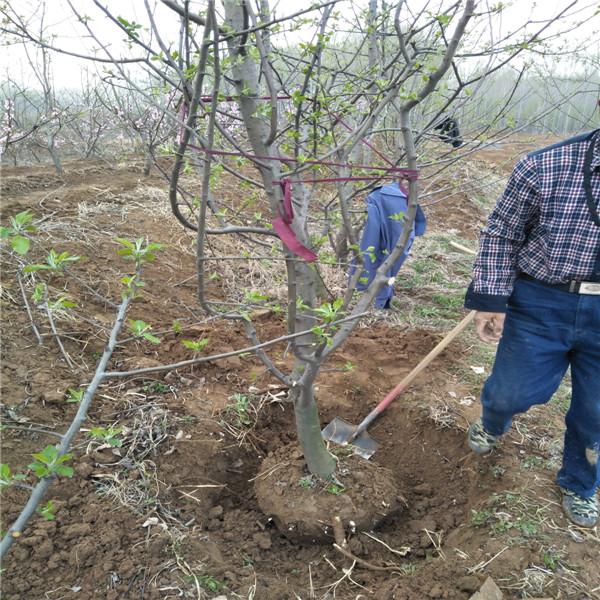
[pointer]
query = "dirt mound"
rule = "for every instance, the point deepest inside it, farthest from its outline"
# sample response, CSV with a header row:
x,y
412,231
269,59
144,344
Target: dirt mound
x,y
363,496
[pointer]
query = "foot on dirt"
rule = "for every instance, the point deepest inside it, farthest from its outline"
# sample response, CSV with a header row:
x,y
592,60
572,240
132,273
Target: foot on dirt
x,y
480,441
582,511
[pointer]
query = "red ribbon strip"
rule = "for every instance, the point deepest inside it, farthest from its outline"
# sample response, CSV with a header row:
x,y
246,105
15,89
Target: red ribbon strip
x,y
236,98
289,239
282,225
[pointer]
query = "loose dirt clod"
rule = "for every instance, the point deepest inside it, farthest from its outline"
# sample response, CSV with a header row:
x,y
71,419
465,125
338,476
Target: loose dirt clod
x,y
304,511
489,591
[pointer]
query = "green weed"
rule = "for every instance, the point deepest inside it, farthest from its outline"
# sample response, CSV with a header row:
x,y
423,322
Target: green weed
x,y
74,396
155,387
210,583
239,407
480,517
336,490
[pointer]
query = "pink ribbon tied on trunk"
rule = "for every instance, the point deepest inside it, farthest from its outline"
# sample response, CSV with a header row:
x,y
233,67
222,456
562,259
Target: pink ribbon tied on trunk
x,y
282,226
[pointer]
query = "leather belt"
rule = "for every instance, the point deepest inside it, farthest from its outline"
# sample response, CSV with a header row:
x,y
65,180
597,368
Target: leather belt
x,y
574,286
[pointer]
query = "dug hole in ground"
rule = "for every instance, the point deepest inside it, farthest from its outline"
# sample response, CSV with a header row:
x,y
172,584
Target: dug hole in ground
x,y
173,512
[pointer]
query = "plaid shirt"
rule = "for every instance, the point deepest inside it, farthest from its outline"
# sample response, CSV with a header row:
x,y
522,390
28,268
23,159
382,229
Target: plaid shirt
x,y
540,226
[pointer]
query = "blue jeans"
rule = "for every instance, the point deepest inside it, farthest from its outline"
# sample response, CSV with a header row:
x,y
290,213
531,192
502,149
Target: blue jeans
x,y
546,331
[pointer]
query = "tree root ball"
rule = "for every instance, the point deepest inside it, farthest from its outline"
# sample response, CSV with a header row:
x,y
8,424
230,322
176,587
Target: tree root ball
x,y
303,509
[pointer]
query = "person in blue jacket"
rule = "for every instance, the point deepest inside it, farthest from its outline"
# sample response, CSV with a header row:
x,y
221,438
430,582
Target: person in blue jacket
x,y
387,207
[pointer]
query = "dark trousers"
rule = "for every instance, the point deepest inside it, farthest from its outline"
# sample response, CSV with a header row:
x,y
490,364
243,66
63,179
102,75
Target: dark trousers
x,y
546,331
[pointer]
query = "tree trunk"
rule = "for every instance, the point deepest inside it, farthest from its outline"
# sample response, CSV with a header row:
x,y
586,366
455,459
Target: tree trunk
x,y
319,460
148,162
56,161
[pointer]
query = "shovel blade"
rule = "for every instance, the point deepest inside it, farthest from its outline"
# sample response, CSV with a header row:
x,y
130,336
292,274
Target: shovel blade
x,y
341,432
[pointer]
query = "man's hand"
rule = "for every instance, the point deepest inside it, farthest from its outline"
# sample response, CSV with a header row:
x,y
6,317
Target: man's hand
x,y
489,326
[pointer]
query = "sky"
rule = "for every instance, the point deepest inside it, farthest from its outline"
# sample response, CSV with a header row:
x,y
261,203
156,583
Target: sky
x,y
69,34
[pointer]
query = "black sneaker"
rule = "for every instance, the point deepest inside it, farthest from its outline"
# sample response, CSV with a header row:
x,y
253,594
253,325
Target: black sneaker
x,y
481,441
582,511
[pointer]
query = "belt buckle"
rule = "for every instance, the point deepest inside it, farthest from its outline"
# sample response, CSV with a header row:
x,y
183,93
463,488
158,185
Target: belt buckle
x,y
589,287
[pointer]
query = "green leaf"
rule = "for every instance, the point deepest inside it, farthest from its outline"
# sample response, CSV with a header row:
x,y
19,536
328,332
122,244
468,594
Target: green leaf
x,y
47,455
74,396
399,216
49,462
7,477
20,244
195,345
64,458
125,243
39,469
151,338
107,435
21,219
5,472
34,268
47,511
64,471
61,303
5,232
138,327
255,297
39,292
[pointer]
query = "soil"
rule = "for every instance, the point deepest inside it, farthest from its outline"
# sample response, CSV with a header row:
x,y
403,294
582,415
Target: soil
x,y
304,510
175,511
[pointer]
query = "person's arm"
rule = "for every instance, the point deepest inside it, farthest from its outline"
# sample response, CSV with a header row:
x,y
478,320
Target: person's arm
x,y
495,267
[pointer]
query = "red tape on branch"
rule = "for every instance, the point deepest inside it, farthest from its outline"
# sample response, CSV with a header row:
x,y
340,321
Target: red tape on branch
x,y
409,174
282,224
236,98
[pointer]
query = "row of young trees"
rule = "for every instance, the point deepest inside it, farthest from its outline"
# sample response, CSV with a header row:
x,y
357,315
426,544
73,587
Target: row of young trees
x,y
104,116
98,120
306,127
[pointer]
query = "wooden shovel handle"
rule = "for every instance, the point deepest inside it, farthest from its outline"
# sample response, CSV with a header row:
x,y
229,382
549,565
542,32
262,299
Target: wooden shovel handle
x,y
411,376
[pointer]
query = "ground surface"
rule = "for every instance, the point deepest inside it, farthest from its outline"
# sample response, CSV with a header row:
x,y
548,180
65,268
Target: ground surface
x,y
172,512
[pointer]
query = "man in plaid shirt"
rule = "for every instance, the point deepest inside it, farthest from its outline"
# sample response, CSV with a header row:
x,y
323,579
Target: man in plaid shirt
x,y
536,290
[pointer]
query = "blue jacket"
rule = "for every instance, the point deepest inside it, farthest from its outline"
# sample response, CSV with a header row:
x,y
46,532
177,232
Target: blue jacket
x,y
386,208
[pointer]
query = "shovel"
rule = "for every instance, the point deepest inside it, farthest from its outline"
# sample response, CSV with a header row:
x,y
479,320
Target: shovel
x,y
344,433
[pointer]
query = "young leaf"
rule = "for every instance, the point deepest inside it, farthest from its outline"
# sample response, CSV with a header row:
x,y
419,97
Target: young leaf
x,y
48,462
151,338
21,219
74,396
7,477
196,346
38,292
47,511
20,244
64,470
